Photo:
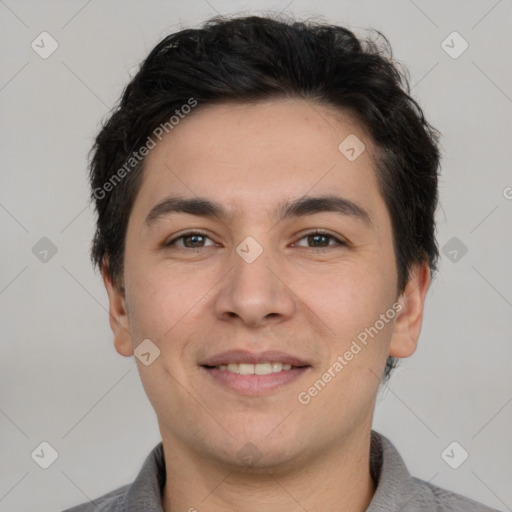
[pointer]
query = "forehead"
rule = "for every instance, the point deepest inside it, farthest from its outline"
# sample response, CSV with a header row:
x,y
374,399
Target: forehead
x,y
249,156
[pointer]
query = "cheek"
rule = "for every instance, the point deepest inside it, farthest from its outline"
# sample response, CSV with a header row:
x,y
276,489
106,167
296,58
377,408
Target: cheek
x,y
358,350
347,299
163,301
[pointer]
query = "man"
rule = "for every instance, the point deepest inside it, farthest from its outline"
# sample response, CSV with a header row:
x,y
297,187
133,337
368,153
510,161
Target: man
x,y
266,194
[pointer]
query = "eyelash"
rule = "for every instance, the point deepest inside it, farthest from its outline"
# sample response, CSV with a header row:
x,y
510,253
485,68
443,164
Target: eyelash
x,y
339,242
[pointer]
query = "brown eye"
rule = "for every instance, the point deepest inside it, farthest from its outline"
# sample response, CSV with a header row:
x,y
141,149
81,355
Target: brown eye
x,y
319,240
192,240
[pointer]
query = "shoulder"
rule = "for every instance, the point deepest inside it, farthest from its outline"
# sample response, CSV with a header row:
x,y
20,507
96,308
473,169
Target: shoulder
x,y
110,502
146,488
398,490
446,501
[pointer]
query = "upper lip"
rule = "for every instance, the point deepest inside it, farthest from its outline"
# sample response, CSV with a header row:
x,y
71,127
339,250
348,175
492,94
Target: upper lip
x,y
243,356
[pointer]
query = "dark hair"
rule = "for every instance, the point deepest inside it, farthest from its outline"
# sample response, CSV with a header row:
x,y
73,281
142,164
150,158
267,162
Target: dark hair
x,y
246,59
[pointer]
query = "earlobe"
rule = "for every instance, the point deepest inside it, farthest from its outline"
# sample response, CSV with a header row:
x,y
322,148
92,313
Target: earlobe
x,y
407,326
118,314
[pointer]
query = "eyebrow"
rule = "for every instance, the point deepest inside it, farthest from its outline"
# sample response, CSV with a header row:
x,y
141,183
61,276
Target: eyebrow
x,y
303,206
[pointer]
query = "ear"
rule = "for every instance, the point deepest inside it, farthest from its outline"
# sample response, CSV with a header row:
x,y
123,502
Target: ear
x,y
118,314
407,326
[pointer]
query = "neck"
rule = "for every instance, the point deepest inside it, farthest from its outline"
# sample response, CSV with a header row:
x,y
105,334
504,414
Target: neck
x,y
338,480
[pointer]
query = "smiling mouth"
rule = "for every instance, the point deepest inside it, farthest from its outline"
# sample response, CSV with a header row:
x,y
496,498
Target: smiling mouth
x,y
254,379
252,369
253,373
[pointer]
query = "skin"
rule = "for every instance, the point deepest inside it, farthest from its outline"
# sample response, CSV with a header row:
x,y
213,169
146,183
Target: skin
x,y
295,297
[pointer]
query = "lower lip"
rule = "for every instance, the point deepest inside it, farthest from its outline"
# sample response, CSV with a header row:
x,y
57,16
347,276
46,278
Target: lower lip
x,y
254,384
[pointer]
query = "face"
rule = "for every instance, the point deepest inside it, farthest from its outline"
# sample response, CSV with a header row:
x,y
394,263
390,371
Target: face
x,y
257,254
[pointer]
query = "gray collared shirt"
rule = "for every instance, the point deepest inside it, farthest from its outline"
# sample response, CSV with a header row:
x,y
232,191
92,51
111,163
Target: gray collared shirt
x,y
396,490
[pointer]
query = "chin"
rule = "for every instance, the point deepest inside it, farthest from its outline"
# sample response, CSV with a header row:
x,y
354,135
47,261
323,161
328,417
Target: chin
x,y
255,452
250,458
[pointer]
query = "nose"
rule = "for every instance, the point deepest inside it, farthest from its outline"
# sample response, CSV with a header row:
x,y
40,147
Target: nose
x,y
255,293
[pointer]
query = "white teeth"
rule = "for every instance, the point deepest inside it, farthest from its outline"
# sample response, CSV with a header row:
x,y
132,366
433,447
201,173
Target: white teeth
x,y
251,369
246,369
277,367
262,369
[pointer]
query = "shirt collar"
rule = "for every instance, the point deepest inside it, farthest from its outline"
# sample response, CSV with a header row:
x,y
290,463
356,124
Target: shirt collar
x,y
146,491
395,488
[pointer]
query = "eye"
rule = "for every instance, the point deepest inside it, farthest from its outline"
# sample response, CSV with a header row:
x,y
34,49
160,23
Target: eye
x,y
319,240
190,240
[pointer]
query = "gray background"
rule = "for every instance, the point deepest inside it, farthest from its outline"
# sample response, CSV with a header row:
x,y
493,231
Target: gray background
x,y
61,380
